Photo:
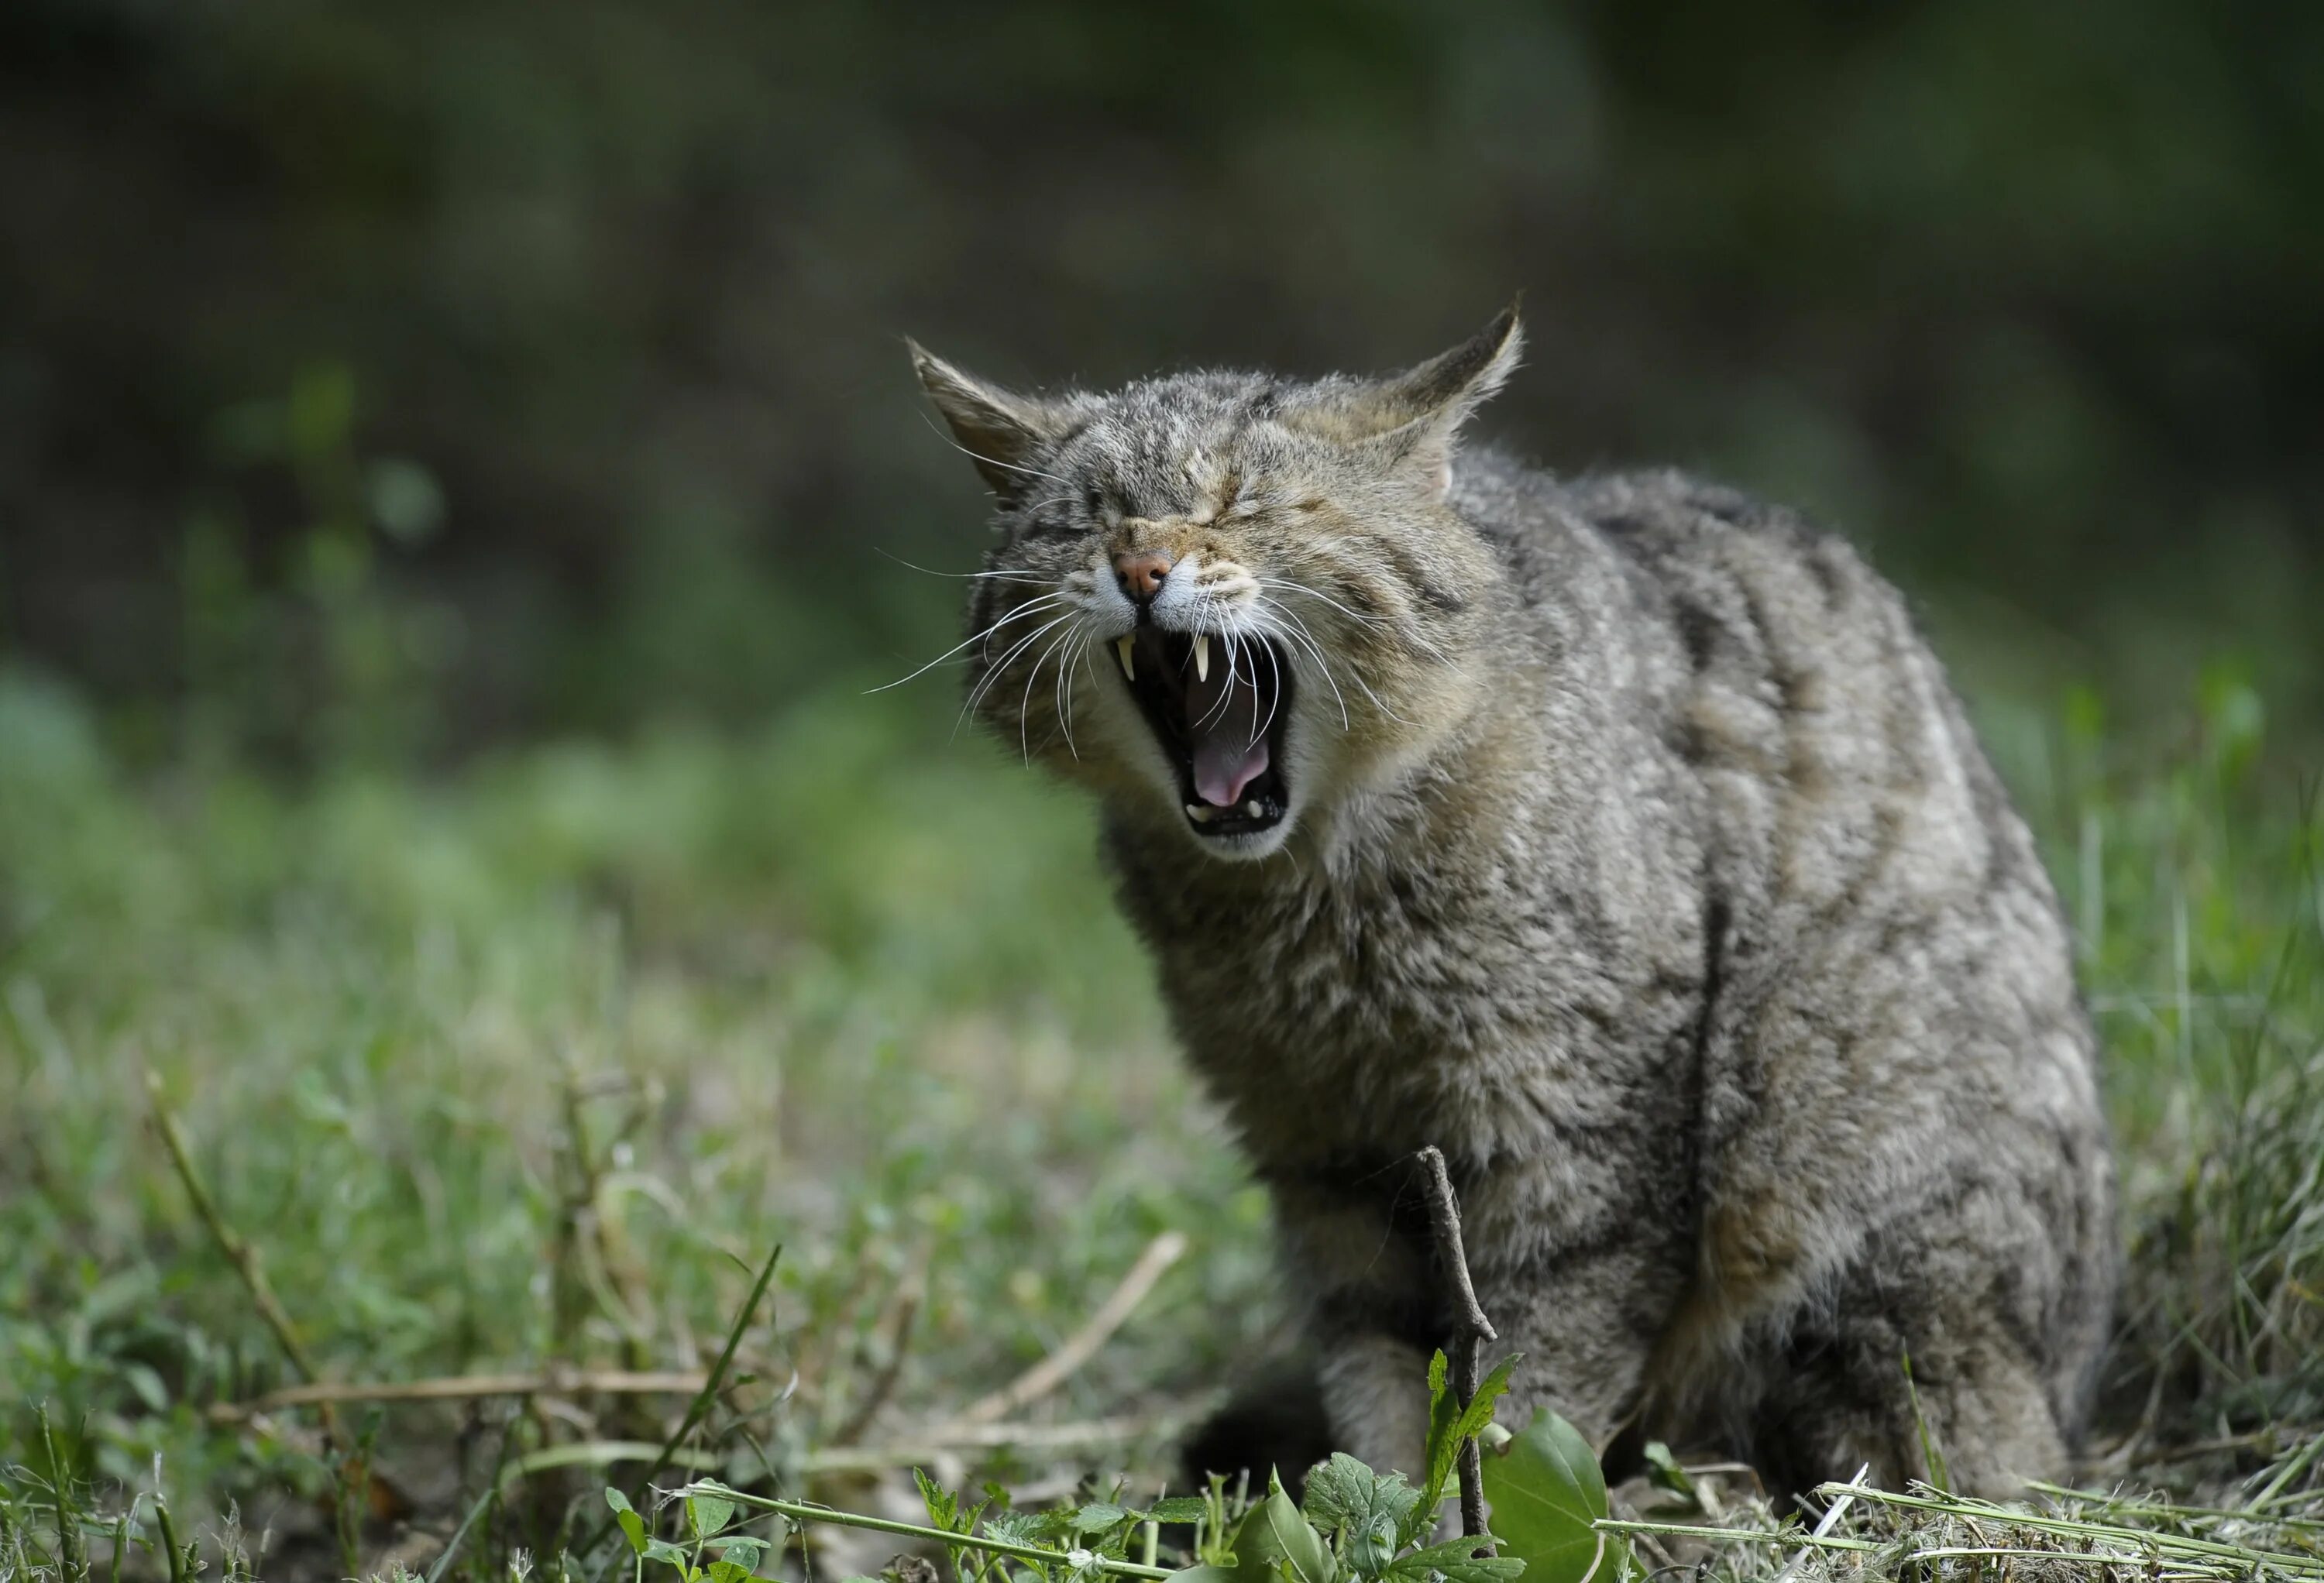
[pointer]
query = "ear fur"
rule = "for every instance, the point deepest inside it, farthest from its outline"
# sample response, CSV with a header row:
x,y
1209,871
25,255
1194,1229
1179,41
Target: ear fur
x,y
1410,419
997,427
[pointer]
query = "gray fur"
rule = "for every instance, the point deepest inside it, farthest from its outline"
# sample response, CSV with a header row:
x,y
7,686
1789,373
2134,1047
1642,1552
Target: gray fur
x,y
1639,857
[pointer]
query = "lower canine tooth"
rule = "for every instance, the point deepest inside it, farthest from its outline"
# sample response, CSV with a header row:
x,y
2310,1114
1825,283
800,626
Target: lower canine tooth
x,y
1202,657
1122,646
1199,814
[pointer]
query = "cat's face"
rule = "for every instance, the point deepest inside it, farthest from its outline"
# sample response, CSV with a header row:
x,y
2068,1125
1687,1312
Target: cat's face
x,y
1226,602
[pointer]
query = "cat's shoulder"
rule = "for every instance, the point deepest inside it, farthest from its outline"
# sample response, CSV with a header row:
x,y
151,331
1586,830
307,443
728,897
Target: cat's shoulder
x,y
1663,525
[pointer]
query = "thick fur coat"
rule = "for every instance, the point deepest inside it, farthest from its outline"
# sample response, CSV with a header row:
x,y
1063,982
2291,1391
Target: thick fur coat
x,y
1621,837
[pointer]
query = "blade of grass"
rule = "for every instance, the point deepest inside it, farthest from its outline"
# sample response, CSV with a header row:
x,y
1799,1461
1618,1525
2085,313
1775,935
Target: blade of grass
x,y
2152,1538
809,1511
72,1545
707,1394
461,1535
169,1547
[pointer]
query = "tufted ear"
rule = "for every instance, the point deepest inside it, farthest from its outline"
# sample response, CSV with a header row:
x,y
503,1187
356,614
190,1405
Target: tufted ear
x,y
998,429
1410,419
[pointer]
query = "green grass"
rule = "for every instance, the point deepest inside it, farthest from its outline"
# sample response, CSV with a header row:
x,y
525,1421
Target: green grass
x,y
537,1061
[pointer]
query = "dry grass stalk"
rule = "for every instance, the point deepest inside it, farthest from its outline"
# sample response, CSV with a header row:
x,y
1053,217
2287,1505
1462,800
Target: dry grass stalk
x,y
1079,1348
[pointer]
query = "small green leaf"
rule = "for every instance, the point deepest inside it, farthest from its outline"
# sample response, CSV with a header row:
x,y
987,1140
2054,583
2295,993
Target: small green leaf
x,y
1479,1412
1274,1534
1179,1509
736,1544
633,1527
705,1515
1098,1516
1453,1560
662,1549
1546,1492
1663,1472
1203,1575
1448,1424
723,1572
1366,1509
1028,1527
943,1506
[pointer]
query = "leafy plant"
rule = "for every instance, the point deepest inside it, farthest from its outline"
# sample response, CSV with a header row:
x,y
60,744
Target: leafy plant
x,y
1547,1494
1356,1525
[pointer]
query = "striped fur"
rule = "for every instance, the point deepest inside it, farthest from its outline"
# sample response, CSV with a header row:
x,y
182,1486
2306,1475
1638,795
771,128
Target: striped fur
x,y
1639,856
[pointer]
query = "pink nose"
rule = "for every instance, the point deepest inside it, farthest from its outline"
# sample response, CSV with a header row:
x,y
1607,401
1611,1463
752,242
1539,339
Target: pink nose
x,y
1140,573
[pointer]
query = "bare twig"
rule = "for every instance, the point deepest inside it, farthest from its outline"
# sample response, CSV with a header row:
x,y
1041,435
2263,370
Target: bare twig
x,y
923,1445
1059,1366
356,1483
239,1253
1471,1328
611,1382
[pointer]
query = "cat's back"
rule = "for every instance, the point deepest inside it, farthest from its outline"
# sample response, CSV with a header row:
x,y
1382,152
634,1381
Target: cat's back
x,y
1712,566
1782,673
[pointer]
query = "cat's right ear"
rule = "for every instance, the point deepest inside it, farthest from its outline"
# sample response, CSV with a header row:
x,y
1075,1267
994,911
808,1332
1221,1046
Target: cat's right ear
x,y
997,429
1409,420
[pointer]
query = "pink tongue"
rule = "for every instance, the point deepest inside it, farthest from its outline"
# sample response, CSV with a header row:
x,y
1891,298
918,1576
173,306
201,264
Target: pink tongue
x,y
1222,723
1222,770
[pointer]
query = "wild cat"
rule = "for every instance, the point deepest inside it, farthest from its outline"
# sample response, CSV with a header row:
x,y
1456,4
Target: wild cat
x,y
1621,836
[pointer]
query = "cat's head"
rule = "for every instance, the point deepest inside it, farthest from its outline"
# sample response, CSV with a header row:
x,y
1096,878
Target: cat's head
x,y
1228,602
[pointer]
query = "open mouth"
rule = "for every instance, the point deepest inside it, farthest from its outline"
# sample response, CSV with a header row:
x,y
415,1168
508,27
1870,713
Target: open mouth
x,y
1220,712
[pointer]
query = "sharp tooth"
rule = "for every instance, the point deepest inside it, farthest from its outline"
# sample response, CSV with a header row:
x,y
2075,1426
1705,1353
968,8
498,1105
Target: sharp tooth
x,y
1252,809
1200,813
1122,646
1202,657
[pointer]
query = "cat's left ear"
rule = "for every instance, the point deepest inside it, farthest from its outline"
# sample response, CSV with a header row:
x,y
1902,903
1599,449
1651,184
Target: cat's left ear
x,y
998,429
1410,420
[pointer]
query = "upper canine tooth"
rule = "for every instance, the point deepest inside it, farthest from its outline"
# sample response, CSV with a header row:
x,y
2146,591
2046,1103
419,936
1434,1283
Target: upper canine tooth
x,y
1202,657
1122,646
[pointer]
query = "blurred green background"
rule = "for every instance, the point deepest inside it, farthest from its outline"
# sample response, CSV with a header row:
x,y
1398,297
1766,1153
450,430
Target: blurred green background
x,y
457,465
407,378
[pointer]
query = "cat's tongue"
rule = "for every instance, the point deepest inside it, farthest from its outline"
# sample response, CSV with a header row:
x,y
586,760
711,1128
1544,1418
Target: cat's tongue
x,y
1222,723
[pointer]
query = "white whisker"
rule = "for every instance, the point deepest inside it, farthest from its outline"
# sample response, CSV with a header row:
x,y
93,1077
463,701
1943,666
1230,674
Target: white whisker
x,y
1275,698
1025,703
1402,630
994,673
996,668
1027,608
1303,640
1226,693
1074,663
1369,621
1001,574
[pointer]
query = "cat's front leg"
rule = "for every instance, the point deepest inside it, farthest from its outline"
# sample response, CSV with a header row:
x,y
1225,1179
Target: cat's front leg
x,y
1376,1396
1362,1273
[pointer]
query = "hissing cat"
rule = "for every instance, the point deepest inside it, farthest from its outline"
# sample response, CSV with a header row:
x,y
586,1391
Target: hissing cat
x,y
1618,835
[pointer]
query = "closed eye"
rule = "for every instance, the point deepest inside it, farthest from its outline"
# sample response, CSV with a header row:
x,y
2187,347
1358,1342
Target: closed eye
x,y
1055,518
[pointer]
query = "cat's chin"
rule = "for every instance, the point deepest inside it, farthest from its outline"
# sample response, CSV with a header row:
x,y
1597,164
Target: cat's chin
x,y
1248,842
